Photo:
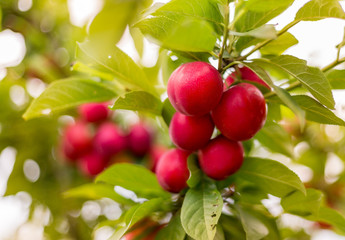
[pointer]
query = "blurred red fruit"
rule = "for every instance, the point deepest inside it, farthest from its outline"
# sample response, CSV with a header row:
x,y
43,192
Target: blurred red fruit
x,y
139,140
94,112
92,164
76,140
109,139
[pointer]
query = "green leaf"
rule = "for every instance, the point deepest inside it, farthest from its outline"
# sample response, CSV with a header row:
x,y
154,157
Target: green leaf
x,y
200,9
263,32
283,95
232,227
331,216
173,231
219,233
183,34
201,210
252,19
279,45
135,214
112,60
257,6
317,112
271,176
301,205
184,25
312,78
168,111
282,141
320,9
195,172
68,93
336,78
133,177
96,191
139,101
254,228
119,13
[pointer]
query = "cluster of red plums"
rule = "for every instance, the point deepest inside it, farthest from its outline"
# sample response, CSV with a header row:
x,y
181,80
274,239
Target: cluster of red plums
x,y
237,108
94,141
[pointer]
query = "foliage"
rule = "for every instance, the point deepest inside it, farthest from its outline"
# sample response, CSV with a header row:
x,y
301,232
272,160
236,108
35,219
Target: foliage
x,y
300,111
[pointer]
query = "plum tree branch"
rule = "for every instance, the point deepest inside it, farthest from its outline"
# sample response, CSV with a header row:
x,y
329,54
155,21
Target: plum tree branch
x,y
225,36
264,43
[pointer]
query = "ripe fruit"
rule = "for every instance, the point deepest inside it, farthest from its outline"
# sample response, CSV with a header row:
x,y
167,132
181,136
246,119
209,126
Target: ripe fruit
x,y
92,164
241,112
245,74
109,139
221,158
77,140
195,88
172,171
139,140
189,132
94,112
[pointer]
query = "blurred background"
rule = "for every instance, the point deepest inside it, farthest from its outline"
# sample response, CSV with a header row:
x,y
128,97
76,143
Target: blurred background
x,y
37,46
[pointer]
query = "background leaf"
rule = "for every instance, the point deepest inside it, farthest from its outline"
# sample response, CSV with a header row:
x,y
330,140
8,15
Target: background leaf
x,y
96,191
253,227
135,214
67,93
319,9
270,176
173,231
279,45
282,143
139,101
133,177
336,78
303,205
317,112
112,60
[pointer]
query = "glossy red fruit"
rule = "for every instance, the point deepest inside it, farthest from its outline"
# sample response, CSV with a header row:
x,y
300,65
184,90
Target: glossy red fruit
x,y
94,112
92,164
221,158
139,139
155,154
245,74
195,88
109,139
77,140
172,171
189,132
241,112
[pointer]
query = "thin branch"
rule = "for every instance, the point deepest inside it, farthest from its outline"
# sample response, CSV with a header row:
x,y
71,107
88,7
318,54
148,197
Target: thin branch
x,y
264,43
225,36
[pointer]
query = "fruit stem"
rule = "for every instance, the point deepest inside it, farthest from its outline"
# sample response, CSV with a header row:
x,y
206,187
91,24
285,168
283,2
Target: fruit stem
x,y
264,43
225,35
